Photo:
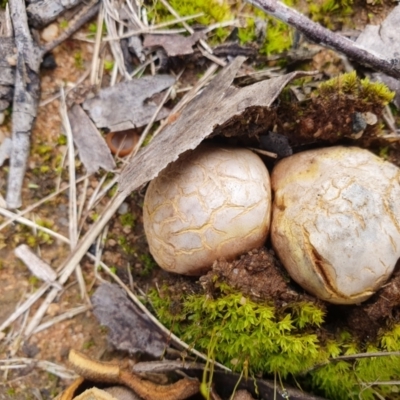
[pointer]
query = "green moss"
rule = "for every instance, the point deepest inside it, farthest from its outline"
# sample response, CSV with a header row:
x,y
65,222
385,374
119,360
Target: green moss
x,y
214,11
64,24
88,344
329,12
278,36
148,264
127,219
108,65
78,60
247,333
62,140
126,245
113,191
291,342
376,93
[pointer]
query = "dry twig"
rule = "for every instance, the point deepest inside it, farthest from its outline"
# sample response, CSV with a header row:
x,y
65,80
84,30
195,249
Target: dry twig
x,y
318,34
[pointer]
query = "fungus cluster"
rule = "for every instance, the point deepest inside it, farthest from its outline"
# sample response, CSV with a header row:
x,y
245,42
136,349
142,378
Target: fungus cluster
x,y
335,216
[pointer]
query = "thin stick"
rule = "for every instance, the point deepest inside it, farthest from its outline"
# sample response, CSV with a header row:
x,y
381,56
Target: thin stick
x,y
48,366
73,209
320,35
25,306
96,51
75,258
155,29
71,87
37,204
67,315
27,222
367,355
87,12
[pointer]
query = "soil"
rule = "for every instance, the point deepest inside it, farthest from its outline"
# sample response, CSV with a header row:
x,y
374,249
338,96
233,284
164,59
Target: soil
x,y
125,248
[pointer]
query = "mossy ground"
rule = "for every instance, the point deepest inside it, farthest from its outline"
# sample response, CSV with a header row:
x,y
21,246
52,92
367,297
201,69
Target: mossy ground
x,y
294,342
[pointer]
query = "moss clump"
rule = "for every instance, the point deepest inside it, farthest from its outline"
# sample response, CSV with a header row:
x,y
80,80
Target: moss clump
x,y
291,342
278,35
365,91
334,110
362,378
246,333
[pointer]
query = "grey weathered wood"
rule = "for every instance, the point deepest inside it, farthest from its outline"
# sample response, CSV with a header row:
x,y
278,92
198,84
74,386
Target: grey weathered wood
x,y
42,12
124,106
26,97
7,55
27,88
6,93
128,328
36,265
92,148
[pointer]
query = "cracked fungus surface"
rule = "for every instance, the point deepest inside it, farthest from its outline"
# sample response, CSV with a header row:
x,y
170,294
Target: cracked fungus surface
x,y
336,221
211,203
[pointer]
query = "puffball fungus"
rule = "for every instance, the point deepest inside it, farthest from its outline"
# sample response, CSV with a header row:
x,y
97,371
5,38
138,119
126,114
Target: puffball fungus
x,y
336,221
212,203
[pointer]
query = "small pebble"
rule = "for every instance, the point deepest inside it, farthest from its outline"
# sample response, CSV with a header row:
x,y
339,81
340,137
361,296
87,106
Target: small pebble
x,y
53,309
370,118
50,33
127,229
123,209
358,122
111,242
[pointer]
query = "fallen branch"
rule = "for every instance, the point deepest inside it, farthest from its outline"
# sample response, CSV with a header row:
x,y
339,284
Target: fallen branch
x,y
27,90
320,35
26,97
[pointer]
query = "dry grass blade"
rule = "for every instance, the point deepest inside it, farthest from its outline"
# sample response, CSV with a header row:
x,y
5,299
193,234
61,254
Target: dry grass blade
x,y
25,306
73,208
67,315
47,366
156,29
95,59
12,219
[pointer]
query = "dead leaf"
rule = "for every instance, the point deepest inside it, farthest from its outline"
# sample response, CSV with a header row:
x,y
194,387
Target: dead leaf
x,y
174,45
93,150
129,328
220,105
124,106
